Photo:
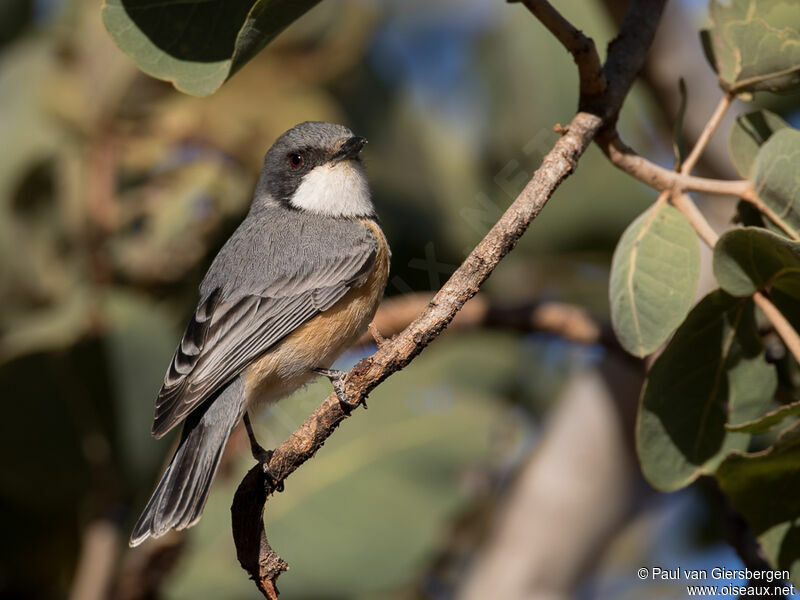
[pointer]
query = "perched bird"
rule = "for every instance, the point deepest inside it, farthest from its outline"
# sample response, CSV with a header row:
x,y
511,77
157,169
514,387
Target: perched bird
x,y
295,285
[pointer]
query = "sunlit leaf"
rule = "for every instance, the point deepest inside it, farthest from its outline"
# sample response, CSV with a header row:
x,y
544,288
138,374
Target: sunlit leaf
x,y
754,45
653,278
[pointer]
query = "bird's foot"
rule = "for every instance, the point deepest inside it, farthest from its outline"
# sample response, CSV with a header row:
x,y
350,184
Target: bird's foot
x,y
270,480
262,456
337,381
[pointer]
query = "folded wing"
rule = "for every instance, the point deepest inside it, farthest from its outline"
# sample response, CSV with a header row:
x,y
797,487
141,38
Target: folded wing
x,y
226,334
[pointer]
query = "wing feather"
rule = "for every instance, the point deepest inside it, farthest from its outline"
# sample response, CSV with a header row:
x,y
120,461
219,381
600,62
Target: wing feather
x,y
227,334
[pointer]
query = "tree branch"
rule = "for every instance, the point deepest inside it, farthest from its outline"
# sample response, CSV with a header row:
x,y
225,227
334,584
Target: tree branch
x,y
569,321
625,58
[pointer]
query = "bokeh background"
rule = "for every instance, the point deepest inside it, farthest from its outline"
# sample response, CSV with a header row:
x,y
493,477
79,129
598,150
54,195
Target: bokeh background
x,y
500,456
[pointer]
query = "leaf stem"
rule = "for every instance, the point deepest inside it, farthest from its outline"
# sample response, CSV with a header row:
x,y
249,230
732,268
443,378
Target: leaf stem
x,y
780,323
752,198
705,135
686,205
626,159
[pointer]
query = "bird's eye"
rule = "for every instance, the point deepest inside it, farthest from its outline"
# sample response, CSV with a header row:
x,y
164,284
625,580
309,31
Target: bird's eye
x,y
295,161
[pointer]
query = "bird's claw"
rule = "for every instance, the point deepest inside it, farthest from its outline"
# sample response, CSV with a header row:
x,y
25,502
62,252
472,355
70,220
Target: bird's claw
x,y
337,381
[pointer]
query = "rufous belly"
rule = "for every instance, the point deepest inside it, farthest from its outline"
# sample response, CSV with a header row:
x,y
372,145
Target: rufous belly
x,y
319,341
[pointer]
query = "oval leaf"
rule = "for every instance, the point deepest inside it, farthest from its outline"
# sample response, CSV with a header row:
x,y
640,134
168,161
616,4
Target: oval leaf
x,y
197,44
776,175
750,131
754,45
713,372
653,278
750,259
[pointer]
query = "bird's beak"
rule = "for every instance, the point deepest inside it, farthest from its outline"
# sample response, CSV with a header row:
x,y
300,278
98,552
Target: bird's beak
x,y
350,148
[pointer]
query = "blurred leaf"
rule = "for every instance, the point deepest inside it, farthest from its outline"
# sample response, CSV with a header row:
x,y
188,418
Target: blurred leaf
x,y
713,371
678,140
167,222
750,131
15,15
768,421
754,45
197,45
764,487
139,342
776,175
52,328
750,259
653,278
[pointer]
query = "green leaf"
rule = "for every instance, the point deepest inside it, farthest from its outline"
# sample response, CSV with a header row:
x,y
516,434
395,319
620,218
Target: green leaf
x,y
751,258
776,176
748,134
754,45
767,421
711,373
53,328
764,487
139,340
653,278
197,44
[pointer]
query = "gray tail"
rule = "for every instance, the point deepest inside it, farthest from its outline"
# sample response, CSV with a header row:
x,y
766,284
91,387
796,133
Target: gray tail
x,y
180,496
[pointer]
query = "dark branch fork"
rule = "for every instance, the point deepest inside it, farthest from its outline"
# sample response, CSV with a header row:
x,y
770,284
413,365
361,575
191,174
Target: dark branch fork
x,y
603,91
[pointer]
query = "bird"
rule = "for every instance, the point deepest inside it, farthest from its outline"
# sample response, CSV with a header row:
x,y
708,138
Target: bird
x,y
295,285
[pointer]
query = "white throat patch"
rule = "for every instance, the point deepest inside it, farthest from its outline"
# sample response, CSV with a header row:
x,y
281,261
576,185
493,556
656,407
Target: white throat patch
x,y
335,189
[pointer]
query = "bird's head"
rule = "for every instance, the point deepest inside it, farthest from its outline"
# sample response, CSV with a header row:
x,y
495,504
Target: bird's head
x,y
315,167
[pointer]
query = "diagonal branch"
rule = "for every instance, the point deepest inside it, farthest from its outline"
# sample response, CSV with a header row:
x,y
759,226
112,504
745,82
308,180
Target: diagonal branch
x,y
625,59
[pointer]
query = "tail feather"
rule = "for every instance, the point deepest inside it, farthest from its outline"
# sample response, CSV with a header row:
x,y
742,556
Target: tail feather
x,y
180,496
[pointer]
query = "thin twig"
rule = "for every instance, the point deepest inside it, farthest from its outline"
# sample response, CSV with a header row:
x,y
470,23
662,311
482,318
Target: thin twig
x,y
659,178
781,325
684,203
626,159
765,210
373,331
705,135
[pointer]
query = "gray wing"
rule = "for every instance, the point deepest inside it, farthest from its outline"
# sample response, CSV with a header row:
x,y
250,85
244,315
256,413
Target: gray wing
x,y
226,334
